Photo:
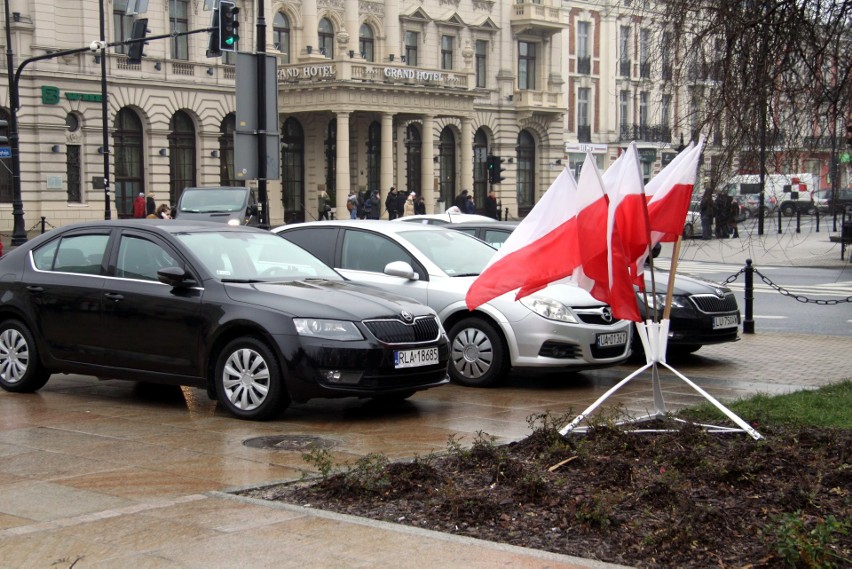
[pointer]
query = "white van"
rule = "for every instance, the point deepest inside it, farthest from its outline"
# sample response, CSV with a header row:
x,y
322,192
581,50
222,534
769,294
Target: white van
x,y
234,205
788,192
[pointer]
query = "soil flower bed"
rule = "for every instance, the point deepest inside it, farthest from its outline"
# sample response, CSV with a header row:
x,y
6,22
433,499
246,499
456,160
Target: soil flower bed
x,y
686,498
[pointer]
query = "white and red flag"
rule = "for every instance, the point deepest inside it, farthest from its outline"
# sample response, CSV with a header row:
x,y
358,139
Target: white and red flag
x,y
669,194
542,249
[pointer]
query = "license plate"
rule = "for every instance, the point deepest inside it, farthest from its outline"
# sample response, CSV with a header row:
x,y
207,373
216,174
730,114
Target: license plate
x,y
611,339
415,358
730,321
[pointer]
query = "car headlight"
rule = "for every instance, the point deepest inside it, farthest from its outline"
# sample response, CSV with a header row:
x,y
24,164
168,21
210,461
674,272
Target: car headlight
x,y
341,330
678,301
549,308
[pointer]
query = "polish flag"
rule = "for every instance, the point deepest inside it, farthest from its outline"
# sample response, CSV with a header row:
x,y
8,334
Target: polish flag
x,y
603,271
627,221
542,249
669,194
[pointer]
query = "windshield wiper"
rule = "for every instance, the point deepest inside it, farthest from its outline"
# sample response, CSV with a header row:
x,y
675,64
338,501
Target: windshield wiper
x,y
467,275
244,281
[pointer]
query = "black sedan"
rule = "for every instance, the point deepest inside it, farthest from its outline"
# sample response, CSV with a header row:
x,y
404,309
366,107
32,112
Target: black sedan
x,y
255,320
702,312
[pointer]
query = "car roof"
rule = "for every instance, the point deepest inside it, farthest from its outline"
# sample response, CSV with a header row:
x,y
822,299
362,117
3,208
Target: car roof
x,y
378,225
448,217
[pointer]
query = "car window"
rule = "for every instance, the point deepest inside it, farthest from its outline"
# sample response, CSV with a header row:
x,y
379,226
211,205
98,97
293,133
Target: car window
x,y
81,254
140,258
363,251
495,237
320,241
254,256
454,252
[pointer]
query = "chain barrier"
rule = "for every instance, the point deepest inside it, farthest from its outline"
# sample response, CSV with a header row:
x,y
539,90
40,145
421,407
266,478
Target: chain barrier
x,y
785,292
41,224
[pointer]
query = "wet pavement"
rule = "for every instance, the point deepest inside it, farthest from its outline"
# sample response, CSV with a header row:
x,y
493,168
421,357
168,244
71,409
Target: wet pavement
x,y
117,474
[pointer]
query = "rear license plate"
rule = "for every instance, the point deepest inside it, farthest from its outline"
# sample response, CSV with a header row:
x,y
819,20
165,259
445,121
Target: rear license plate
x,y
730,321
415,358
611,339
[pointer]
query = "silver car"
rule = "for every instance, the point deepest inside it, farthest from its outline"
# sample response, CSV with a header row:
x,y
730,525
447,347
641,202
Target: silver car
x,y
561,326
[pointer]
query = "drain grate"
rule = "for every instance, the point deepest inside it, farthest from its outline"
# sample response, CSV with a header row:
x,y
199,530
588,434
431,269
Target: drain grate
x,y
289,442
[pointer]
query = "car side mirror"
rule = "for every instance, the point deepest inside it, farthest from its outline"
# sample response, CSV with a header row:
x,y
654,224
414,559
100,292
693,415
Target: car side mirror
x,y
251,211
401,269
175,277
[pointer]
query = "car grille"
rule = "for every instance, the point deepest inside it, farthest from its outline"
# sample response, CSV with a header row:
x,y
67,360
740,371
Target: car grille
x,y
710,303
394,331
600,316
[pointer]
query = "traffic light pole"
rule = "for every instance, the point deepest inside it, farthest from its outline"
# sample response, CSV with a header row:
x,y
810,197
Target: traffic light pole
x,y
262,194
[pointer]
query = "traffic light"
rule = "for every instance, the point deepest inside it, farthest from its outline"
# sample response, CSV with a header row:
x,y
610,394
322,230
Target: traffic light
x,y
138,32
228,26
494,169
213,42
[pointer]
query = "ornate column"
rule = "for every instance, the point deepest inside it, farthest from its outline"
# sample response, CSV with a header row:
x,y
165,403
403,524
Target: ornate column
x,y
386,160
351,23
342,178
427,153
393,41
467,155
310,31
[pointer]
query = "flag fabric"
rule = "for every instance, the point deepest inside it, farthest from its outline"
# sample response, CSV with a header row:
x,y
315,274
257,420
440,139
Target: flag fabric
x,y
542,249
627,221
669,195
603,270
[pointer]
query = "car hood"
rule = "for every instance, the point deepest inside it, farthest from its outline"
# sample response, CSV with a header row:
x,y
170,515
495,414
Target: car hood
x,y
684,285
319,298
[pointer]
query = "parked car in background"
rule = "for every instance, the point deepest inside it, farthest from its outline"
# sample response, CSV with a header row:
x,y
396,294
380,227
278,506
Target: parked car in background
x,y
702,312
444,218
559,327
232,205
255,320
826,202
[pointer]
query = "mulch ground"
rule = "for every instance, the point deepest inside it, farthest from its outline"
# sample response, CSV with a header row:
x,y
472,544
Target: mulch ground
x,y
679,499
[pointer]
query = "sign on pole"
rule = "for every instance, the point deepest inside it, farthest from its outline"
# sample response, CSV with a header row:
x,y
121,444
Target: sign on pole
x,y
248,131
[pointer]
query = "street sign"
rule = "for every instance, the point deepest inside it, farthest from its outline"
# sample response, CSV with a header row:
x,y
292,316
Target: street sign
x,y
247,96
245,156
5,151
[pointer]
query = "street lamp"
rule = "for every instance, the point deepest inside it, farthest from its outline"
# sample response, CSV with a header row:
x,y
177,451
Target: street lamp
x,y
19,232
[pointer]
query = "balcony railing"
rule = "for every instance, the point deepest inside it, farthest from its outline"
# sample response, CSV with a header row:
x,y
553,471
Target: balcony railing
x,y
538,15
584,65
584,133
538,101
645,133
624,68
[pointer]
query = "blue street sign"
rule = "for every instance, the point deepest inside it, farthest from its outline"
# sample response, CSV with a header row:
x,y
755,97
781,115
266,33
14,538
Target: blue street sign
x,y
5,151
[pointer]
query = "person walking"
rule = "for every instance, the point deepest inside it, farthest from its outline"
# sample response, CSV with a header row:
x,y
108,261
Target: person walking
x,y
150,204
408,208
373,205
720,211
419,206
469,205
391,204
139,206
491,205
733,213
323,205
352,205
706,212
461,200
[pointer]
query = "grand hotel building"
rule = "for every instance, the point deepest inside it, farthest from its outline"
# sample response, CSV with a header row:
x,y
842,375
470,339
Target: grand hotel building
x,y
370,94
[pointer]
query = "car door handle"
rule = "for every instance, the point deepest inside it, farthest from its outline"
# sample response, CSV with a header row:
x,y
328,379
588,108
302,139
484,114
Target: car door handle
x,y
34,288
114,296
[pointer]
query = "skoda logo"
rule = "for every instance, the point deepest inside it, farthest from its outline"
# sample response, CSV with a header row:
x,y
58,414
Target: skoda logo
x,y
606,314
720,293
407,316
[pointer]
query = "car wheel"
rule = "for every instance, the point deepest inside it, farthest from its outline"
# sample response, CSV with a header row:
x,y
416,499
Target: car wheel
x,y
788,210
688,231
21,370
248,380
477,354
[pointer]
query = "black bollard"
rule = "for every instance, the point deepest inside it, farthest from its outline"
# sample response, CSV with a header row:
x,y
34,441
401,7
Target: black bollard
x,y
816,215
779,221
798,221
43,223
748,322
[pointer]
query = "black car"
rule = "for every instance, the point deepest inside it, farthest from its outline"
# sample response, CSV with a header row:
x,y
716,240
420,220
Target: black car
x,y
255,320
702,312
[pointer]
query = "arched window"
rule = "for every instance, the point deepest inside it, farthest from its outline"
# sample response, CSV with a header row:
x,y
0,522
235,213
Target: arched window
x,y
226,151
365,43
447,166
374,155
331,161
293,171
281,36
326,38
129,161
413,154
480,168
181,155
525,172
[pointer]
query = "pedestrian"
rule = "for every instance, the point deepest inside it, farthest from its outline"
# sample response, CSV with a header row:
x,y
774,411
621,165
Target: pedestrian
x,y
391,203
409,205
706,212
720,211
373,205
139,206
150,204
733,213
469,206
460,200
352,205
491,205
362,204
401,200
323,205
163,212
419,206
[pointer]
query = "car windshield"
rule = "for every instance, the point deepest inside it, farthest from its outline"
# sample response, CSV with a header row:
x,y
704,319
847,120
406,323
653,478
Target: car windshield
x,y
212,200
457,254
251,256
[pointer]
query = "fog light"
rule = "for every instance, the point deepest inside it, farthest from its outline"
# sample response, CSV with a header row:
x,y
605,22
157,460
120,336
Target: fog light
x,y
338,377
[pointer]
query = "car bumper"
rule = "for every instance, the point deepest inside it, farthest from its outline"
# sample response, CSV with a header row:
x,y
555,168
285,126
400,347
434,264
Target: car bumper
x,y
359,369
542,343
